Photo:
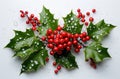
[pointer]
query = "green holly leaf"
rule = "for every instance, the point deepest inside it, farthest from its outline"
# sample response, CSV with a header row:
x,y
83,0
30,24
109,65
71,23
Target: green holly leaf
x,y
35,61
96,52
98,31
66,60
47,21
72,23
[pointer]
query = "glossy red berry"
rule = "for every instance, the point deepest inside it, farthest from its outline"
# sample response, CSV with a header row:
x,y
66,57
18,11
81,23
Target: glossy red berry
x,y
77,50
59,28
22,15
54,63
82,20
88,13
33,28
91,19
76,35
49,31
60,46
27,22
93,10
74,42
79,46
51,46
43,38
55,32
56,71
59,67
84,39
87,38
78,10
86,23
26,12
83,16
51,53
81,35
55,49
68,48
69,43
32,15
47,59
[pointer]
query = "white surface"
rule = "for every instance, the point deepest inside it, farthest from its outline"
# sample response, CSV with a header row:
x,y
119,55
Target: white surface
x,y
9,20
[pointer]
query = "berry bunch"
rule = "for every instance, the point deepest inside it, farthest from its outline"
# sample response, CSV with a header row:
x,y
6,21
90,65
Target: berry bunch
x,y
59,40
34,21
82,16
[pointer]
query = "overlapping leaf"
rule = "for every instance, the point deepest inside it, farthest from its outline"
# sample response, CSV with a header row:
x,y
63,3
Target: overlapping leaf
x,y
67,60
96,52
98,31
47,21
72,23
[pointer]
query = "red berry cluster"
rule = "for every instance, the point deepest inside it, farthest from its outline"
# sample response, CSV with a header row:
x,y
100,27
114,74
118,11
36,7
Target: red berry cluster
x,y
82,16
59,40
34,21
58,67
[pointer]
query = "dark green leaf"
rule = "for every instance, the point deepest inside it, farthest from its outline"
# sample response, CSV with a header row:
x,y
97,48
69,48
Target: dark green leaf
x,y
35,61
47,21
67,60
72,24
96,52
99,31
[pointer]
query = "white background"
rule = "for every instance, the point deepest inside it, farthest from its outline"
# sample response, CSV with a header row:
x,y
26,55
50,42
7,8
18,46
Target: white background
x,y
9,20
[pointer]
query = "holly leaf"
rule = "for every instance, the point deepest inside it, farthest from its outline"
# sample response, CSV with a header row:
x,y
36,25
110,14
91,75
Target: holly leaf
x,y
98,31
35,61
96,52
66,60
47,21
72,23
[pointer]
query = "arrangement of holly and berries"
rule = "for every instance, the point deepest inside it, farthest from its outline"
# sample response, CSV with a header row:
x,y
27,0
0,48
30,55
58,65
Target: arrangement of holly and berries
x,y
47,38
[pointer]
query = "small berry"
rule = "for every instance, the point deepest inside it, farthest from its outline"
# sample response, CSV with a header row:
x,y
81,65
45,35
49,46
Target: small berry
x,y
43,38
88,13
81,36
26,12
75,42
54,63
79,46
78,10
59,28
49,31
51,53
84,34
86,23
93,10
59,67
27,22
33,28
82,20
83,16
84,39
35,18
32,15
91,19
76,35
77,50
68,48
47,59
55,49
87,38
22,15
69,43
51,46
56,71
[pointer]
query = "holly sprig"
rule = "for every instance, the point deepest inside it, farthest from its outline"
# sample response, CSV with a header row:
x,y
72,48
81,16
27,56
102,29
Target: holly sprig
x,y
31,46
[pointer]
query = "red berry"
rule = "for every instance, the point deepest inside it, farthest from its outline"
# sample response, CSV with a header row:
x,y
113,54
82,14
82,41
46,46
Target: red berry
x,y
51,46
33,28
51,53
79,46
83,16
56,71
91,19
54,63
78,16
48,45
22,11
81,35
55,32
75,42
61,41
47,59
88,13
32,15
35,18
56,41
58,67
64,34
68,48
93,10
69,43
77,50
84,34
86,23
49,31
43,38
50,41
26,12
59,52
87,38
66,39
22,15
84,39
60,46
82,20
64,45
78,10
27,22
59,28
55,49
76,35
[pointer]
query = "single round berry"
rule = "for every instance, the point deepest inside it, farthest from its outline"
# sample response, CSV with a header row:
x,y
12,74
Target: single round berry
x,y
59,28
69,43
78,10
51,53
47,59
27,22
83,16
56,41
81,36
61,41
43,38
22,15
76,35
79,46
33,28
82,20
32,15
60,46
87,38
26,12
54,63
88,13
75,42
49,31
55,32
59,67
68,48
91,19
93,10
55,49
35,18
66,39
77,50
86,23
84,39
51,46
56,71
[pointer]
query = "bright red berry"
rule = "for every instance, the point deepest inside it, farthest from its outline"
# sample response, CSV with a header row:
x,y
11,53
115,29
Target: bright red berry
x,y
59,67
35,18
56,41
54,63
87,38
81,35
60,46
22,15
43,38
91,19
83,16
26,12
79,46
51,46
78,10
55,49
32,15
84,34
51,53
88,13
86,23
77,50
82,20
68,48
59,28
27,22
93,10
55,32
76,35
33,28
74,42
49,31
56,71
84,39
69,43
61,41
66,39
